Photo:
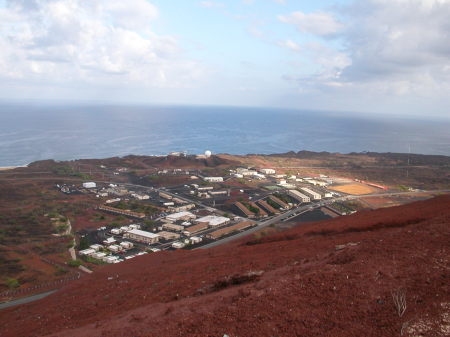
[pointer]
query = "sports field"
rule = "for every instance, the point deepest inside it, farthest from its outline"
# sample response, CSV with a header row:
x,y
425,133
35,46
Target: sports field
x,y
355,189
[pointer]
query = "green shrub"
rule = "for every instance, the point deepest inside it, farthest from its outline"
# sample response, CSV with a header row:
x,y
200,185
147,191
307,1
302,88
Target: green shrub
x,y
12,283
74,263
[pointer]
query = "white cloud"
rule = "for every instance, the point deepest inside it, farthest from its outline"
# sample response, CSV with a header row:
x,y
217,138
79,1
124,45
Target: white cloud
x,y
383,47
289,44
319,23
96,42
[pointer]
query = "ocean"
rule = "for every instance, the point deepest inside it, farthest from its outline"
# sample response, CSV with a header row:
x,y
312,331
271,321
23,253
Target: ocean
x,y
30,132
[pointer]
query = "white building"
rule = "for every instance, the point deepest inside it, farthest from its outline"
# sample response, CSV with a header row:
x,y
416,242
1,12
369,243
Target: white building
x,y
109,241
87,252
184,216
311,193
213,179
116,231
213,220
126,245
89,185
96,247
115,248
178,245
298,196
195,239
98,255
141,236
267,171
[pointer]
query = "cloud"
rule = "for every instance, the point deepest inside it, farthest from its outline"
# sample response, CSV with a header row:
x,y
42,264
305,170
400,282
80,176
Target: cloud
x,y
289,44
319,23
389,47
96,42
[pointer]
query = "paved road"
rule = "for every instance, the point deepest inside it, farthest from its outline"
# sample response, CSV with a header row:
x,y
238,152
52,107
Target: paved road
x,y
25,300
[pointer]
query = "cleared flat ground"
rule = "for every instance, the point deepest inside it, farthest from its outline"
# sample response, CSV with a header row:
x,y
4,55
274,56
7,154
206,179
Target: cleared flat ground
x,y
355,189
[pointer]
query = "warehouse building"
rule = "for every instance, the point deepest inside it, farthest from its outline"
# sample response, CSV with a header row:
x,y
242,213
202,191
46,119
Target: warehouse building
x,y
213,179
267,207
141,236
195,229
279,202
122,212
313,194
267,171
245,210
228,230
212,220
298,196
262,213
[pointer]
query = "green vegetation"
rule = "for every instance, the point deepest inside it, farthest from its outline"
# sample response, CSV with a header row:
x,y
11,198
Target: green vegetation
x,y
60,270
273,204
92,260
74,263
99,217
63,170
83,244
136,206
403,188
282,197
149,225
251,208
340,207
61,228
12,283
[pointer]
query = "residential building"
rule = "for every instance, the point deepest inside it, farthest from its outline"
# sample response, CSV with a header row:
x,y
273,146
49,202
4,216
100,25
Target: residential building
x,y
228,230
142,236
298,196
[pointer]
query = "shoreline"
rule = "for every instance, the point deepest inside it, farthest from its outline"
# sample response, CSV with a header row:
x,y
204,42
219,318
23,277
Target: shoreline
x,y
7,168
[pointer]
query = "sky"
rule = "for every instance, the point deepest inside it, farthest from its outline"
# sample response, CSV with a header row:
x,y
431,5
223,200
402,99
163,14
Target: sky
x,y
366,56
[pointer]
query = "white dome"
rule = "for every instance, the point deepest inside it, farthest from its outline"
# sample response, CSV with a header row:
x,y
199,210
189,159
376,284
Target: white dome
x,y
208,153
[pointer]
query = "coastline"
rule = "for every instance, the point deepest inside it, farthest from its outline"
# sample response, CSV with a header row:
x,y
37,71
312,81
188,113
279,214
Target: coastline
x,y
7,168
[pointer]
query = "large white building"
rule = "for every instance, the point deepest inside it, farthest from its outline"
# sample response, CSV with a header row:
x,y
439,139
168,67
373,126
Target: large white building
x,y
267,171
298,196
184,216
311,193
89,185
141,236
213,179
213,220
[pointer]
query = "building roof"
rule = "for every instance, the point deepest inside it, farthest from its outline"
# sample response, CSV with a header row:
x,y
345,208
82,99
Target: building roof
x,y
213,220
180,215
143,233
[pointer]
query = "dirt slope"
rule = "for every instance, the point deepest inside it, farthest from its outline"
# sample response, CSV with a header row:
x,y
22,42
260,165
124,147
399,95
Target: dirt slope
x,y
333,278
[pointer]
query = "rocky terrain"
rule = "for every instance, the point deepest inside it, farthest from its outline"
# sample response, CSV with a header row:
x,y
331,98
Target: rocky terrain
x,y
374,273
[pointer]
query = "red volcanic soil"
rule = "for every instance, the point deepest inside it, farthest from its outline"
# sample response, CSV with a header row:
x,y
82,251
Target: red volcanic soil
x,y
332,278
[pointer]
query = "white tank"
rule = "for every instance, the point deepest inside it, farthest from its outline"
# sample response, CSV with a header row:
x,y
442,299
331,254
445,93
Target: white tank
x,y
208,154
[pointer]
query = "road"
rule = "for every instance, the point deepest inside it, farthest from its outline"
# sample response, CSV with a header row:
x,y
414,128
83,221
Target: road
x,y
25,300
